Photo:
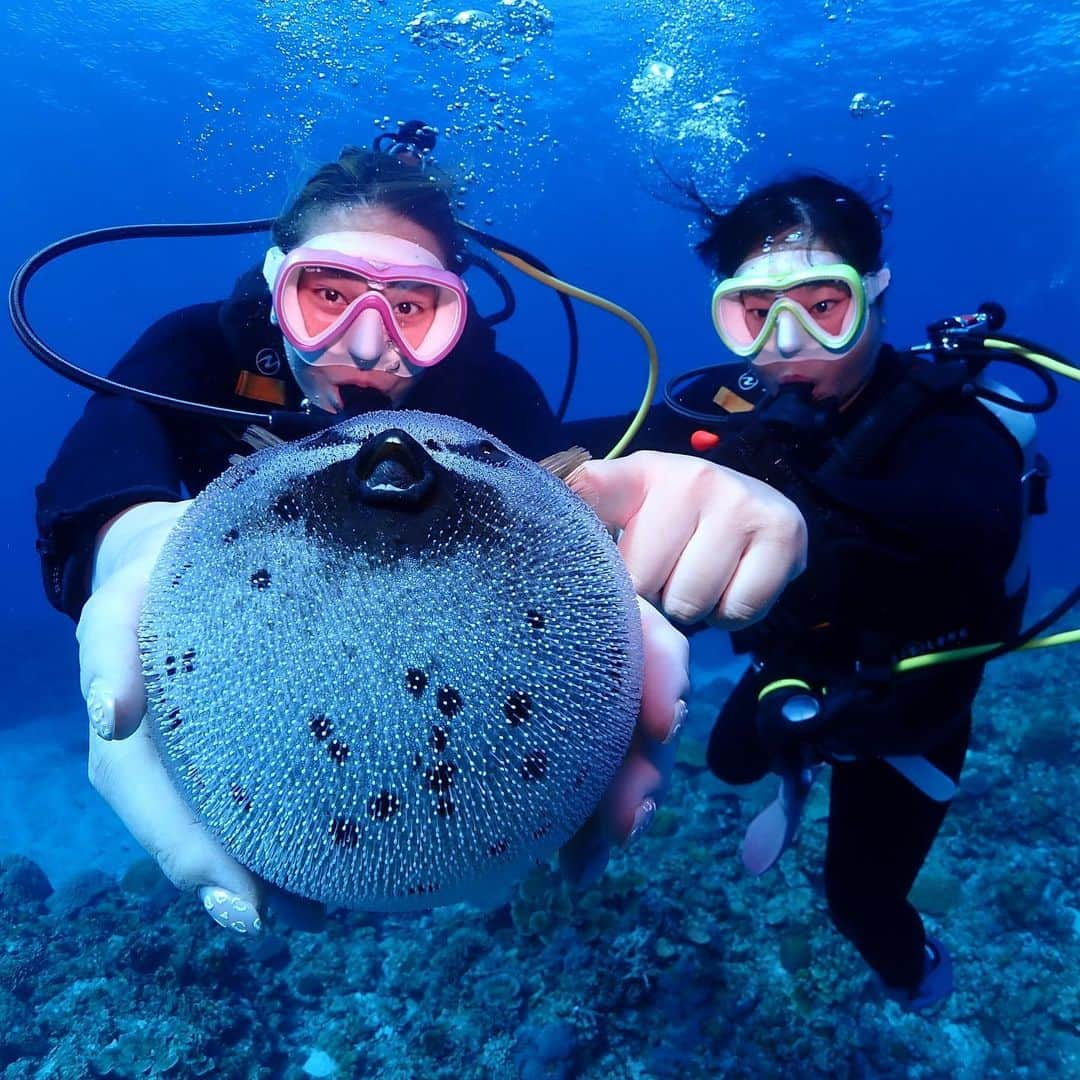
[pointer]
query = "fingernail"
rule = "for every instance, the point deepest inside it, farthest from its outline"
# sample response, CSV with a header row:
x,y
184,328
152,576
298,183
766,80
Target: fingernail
x,y
101,708
643,817
677,722
229,911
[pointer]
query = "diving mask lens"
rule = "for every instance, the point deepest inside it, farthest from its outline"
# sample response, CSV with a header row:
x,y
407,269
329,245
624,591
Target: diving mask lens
x,y
829,303
319,297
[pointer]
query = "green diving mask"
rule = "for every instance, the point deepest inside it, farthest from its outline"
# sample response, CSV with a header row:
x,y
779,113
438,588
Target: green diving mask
x,y
758,311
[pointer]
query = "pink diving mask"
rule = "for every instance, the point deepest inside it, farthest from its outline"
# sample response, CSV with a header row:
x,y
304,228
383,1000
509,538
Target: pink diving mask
x,y
368,300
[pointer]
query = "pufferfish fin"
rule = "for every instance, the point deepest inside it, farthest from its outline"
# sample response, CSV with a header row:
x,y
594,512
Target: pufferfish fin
x,y
565,462
258,439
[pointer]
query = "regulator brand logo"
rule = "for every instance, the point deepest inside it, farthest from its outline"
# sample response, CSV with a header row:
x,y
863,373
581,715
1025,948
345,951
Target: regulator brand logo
x,y
267,362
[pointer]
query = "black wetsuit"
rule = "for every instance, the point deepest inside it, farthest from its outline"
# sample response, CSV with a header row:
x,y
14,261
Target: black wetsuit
x,y
121,452
907,554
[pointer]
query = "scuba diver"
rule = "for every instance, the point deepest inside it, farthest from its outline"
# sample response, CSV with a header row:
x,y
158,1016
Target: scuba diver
x,y
358,305
916,476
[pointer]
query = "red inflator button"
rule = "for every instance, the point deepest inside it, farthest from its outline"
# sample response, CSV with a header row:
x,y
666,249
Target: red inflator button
x,y
704,440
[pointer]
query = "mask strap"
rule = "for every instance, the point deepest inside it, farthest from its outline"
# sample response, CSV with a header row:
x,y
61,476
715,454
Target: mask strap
x,y
876,283
271,265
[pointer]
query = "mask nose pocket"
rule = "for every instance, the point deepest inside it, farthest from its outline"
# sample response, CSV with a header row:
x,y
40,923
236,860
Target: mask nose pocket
x,y
367,337
790,336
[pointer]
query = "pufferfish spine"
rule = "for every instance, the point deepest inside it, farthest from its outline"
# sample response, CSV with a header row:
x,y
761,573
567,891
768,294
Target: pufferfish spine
x,y
393,664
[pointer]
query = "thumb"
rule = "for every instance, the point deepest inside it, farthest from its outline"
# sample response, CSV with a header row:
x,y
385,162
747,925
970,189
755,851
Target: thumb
x,y
614,489
110,672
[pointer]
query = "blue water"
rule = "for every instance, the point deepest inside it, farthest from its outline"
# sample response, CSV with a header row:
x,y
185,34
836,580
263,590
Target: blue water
x,y
129,112
108,120
140,112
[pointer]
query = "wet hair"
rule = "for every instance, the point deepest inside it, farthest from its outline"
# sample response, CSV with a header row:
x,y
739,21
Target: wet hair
x,y
829,213
359,177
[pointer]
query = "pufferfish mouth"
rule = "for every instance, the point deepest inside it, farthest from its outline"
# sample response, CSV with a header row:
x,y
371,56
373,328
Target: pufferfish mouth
x,y
393,469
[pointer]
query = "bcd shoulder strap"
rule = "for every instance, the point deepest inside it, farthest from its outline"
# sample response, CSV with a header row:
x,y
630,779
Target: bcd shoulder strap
x,y
921,382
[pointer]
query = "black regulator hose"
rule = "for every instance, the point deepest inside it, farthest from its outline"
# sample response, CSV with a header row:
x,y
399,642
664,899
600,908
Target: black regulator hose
x,y
28,336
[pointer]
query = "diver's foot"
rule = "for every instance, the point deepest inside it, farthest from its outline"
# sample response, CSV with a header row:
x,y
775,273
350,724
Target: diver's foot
x,y
937,980
770,834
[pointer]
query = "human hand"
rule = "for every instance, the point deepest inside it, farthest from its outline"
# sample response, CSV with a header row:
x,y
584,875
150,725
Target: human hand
x,y
124,765
629,804
700,540
110,674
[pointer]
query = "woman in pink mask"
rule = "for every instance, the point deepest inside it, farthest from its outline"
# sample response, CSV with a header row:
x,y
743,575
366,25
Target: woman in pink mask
x,y
359,304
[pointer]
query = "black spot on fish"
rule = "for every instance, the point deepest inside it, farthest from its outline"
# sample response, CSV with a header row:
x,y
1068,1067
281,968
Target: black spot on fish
x,y
448,701
439,738
261,579
500,847
432,444
440,777
416,681
188,661
172,718
236,476
170,666
535,619
240,797
445,806
541,830
345,832
338,750
231,536
534,765
383,806
518,707
320,726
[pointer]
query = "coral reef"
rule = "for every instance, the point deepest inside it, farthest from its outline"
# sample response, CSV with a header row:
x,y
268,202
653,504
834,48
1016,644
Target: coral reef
x,y
674,964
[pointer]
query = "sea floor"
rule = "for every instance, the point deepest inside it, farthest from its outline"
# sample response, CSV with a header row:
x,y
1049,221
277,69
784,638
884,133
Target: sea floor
x,y
676,964
48,810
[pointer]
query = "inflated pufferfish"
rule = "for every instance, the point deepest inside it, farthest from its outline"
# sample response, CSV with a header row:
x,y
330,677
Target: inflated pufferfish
x,y
393,664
